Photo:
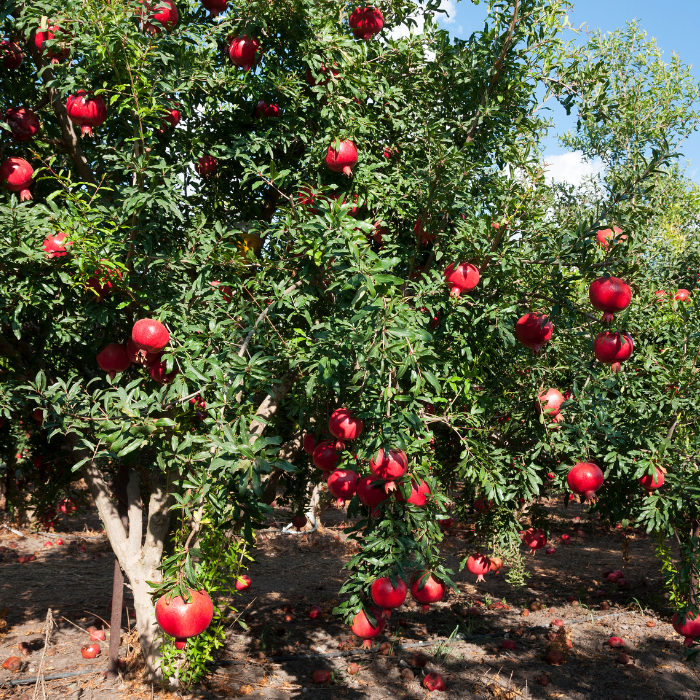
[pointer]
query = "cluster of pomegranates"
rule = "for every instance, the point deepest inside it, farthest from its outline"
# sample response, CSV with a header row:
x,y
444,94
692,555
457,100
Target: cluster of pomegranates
x,y
184,619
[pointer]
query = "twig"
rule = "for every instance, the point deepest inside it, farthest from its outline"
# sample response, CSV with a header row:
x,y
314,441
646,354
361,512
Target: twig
x,y
98,617
74,625
40,672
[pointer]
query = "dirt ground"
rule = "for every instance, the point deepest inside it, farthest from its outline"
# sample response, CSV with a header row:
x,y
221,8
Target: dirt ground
x,y
460,637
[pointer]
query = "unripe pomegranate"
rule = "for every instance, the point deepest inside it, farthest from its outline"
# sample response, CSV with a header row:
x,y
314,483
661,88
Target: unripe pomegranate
x,y
479,564
150,335
325,456
159,373
58,52
206,165
371,494
56,246
344,425
113,358
606,235
215,7
389,464
262,109
342,483
164,12
535,539
533,331
610,295
11,54
550,402
343,160
613,348
23,122
690,629
419,494
682,295
386,596
86,111
323,70
434,681
365,22
651,483
426,589
585,478
16,176
243,52
363,628
462,278
183,620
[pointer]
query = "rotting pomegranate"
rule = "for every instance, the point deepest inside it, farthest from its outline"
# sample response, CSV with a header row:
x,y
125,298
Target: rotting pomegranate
x,y
363,628
214,7
342,160
299,521
550,402
365,22
386,595
86,111
344,425
613,349
342,483
16,176
427,589
533,331
90,651
322,677
23,123
56,246
184,619
164,12
609,295
325,455
462,278
59,51
535,539
584,479
479,565
206,165
370,491
434,681
113,358
150,335
389,464
652,482
418,496
243,52
11,54
495,564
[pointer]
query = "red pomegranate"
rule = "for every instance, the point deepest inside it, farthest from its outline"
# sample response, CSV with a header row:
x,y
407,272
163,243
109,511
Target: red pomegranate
x,y
651,483
59,51
113,358
309,443
389,464
243,52
150,335
434,681
56,246
365,22
363,628
215,7
446,523
344,425
343,160
610,295
170,120
419,494
16,176
533,331
550,402
23,122
262,109
613,348
206,165
481,505
370,491
479,564
682,295
386,595
426,589
159,373
299,521
605,236
67,506
323,70
90,651
325,455
342,483
535,539
86,111
243,583
462,278
424,237
690,629
164,12
181,619
585,478
102,284
141,357
11,54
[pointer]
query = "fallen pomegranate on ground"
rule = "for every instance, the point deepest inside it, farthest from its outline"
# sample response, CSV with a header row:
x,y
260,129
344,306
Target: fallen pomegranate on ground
x,y
90,651
434,681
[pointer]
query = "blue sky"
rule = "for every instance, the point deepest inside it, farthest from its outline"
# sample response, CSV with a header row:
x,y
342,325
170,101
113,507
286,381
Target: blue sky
x,y
675,25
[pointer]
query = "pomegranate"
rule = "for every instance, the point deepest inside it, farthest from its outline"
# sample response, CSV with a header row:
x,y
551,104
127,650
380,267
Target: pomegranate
x,y
534,331
609,295
215,7
325,456
613,348
170,120
690,629
616,642
508,645
315,612
364,629
423,236
462,278
682,295
159,373
386,595
365,22
550,550
661,295
419,494
605,236
91,651
141,357
164,12
150,335
67,506
535,539
86,111
59,51
313,82
342,160
16,176
550,402
445,523
585,478
23,122
434,681
243,583
565,539
481,505
226,292
56,246
309,443
206,165
11,54
181,619
342,483
370,491
479,564
262,109
96,635
651,483
113,358
102,285
344,425
389,464
426,589
299,521
243,52
495,564
322,677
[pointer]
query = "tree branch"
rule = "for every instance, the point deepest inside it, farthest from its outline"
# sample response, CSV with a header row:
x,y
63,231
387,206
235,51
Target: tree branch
x,y
158,521
269,406
133,493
